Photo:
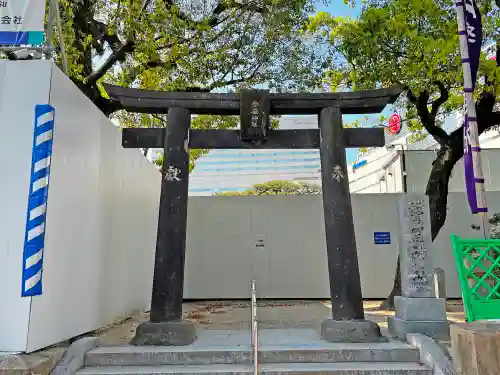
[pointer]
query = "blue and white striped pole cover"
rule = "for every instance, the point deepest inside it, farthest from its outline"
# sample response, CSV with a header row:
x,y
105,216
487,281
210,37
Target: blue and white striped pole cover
x,y
470,33
34,239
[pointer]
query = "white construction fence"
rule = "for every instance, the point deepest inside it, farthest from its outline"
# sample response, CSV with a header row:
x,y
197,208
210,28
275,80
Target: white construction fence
x,y
101,213
81,256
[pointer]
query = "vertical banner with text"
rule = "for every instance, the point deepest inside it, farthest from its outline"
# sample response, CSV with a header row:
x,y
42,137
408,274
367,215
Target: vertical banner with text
x,y
22,22
470,30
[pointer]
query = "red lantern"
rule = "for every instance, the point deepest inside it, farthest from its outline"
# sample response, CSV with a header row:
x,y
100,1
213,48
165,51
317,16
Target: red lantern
x,y
394,124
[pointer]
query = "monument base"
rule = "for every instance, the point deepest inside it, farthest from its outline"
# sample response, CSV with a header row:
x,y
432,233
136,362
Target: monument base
x,y
351,331
426,316
420,309
439,330
178,333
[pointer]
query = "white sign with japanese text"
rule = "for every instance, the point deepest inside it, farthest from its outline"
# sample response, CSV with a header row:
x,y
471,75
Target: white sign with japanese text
x,y
22,15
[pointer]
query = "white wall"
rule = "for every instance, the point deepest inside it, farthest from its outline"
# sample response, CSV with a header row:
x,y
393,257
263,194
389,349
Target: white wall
x,y
221,256
383,174
23,85
101,216
101,224
490,139
102,219
419,164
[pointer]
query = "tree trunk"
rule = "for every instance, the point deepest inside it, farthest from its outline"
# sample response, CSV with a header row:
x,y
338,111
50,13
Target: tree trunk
x,y
437,186
437,191
92,92
388,303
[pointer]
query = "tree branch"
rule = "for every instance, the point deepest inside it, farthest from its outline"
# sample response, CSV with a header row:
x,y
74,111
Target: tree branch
x,y
486,118
236,80
100,36
448,155
222,6
443,98
100,33
492,120
119,55
428,121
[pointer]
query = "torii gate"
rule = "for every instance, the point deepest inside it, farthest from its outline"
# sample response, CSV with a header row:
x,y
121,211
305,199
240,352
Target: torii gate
x,y
254,107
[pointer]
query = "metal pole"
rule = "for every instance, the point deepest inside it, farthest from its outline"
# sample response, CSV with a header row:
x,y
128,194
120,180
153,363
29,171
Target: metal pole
x,y
252,316
471,116
403,167
50,25
255,331
61,37
405,174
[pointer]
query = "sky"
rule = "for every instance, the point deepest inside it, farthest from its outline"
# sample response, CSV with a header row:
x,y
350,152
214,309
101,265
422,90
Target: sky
x,y
338,8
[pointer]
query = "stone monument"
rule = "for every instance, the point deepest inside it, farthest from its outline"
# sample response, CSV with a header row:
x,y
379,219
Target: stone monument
x,y
417,309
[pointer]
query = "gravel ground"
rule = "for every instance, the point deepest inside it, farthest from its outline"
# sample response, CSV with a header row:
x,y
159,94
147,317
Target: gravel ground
x,y
271,314
210,315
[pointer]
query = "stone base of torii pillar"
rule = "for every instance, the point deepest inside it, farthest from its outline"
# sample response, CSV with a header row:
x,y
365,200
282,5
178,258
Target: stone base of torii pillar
x,y
165,334
351,331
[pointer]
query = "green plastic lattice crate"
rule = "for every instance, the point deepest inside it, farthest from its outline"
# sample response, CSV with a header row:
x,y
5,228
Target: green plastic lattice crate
x,y
478,265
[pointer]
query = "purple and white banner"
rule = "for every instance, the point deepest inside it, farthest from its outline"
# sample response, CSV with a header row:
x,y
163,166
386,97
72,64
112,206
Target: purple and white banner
x,y
474,34
470,30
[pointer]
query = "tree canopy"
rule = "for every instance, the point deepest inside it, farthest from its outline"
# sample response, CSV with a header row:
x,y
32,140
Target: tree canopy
x,y
187,45
415,43
278,187
182,45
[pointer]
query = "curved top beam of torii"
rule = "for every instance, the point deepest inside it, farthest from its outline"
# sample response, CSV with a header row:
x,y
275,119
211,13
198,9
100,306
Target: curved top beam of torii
x,y
356,102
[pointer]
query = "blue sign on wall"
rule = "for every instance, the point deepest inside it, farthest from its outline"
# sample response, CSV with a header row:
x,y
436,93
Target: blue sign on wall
x,y
382,238
359,164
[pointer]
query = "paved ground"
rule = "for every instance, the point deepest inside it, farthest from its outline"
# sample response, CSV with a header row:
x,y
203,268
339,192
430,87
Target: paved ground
x,y
271,314
213,315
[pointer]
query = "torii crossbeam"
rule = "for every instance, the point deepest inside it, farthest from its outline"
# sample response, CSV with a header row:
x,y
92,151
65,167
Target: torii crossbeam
x,y
254,107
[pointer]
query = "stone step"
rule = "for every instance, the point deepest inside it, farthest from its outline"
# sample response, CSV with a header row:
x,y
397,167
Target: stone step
x,y
242,354
352,368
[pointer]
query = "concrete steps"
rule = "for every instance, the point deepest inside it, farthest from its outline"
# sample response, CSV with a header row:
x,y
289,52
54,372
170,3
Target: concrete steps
x,y
281,352
161,356
342,368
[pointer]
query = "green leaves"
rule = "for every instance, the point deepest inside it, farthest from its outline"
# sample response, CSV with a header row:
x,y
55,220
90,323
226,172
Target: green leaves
x,y
197,122
409,42
279,187
175,45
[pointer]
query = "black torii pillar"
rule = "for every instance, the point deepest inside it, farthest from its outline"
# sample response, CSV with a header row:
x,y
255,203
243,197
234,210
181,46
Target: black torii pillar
x,y
166,326
345,285
168,279
348,322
